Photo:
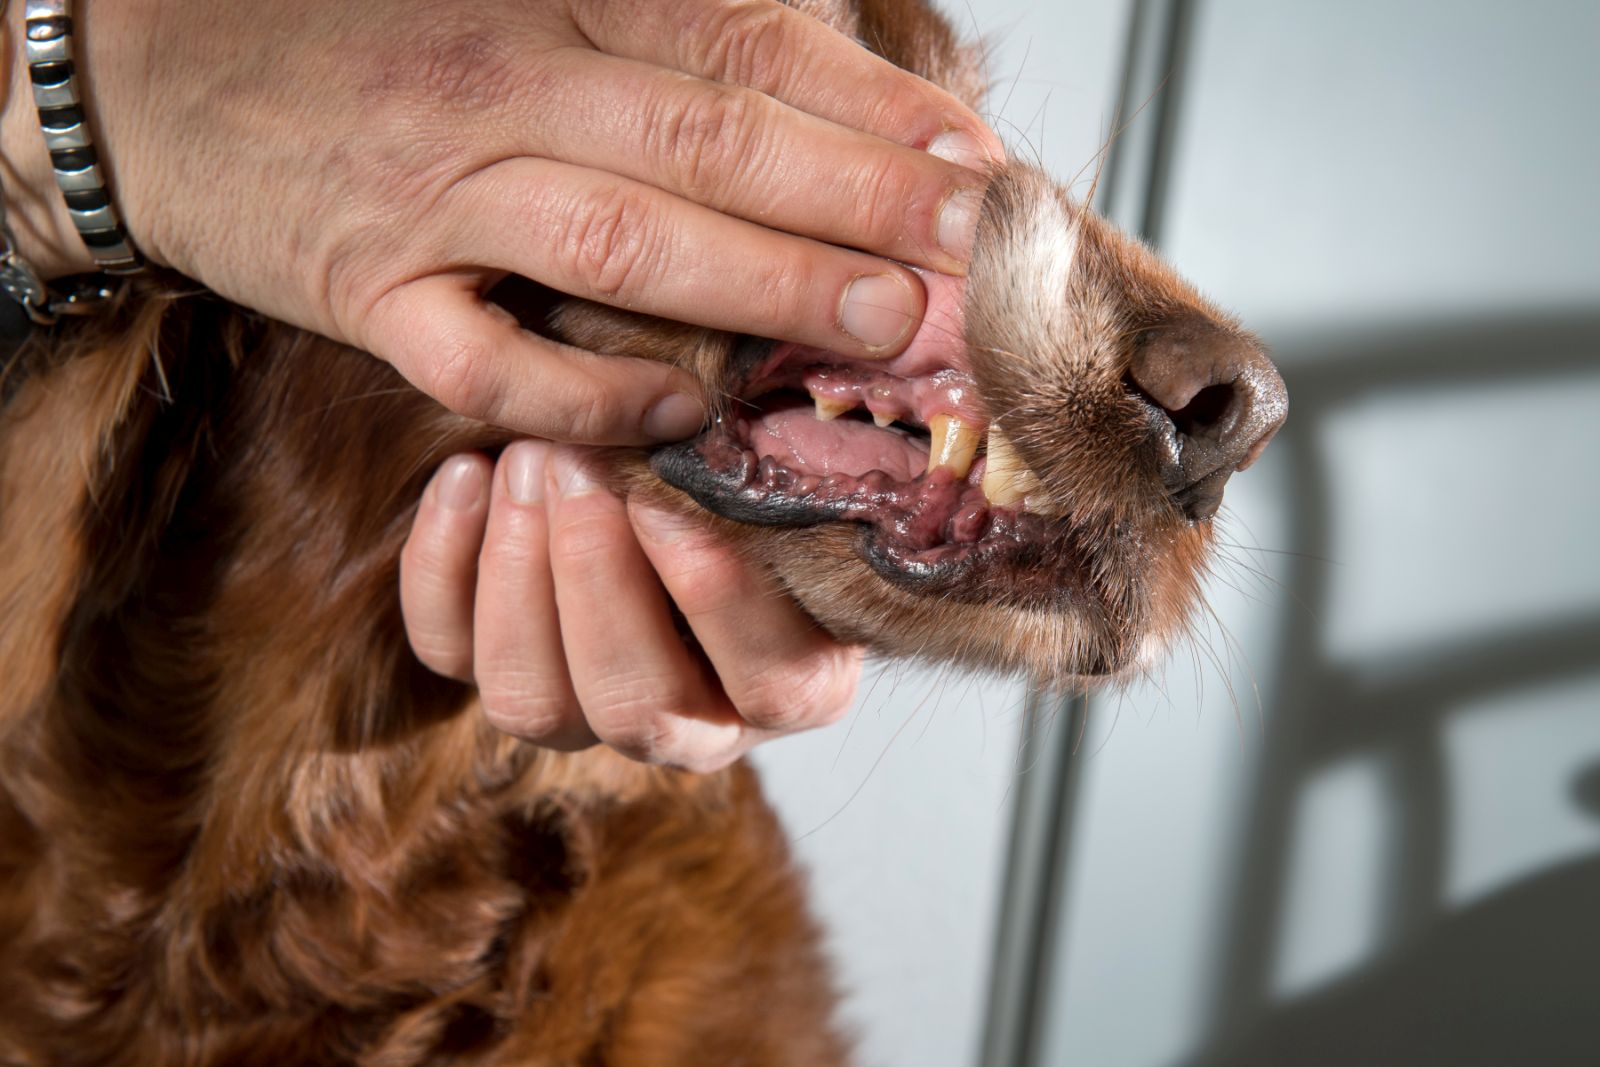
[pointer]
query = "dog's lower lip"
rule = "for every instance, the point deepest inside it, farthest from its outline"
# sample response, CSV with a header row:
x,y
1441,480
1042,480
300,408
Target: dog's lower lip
x,y
1006,553
1022,573
919,509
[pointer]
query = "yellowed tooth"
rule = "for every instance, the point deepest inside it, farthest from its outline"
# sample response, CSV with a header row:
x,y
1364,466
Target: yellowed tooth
x,y
1042,503
954,445
829,409
883,418
1007,481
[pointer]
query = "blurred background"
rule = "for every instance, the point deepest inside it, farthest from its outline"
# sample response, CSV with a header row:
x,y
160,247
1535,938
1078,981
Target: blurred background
x,y
1357,822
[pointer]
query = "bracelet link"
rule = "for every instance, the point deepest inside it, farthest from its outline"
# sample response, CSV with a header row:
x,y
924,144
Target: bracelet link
x,y
47,44
45,305
22,283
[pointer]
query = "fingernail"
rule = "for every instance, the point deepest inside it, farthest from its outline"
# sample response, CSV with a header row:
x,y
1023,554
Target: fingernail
x,y
460,483
961,148
958,222
525,463
877,310
675,417
572,473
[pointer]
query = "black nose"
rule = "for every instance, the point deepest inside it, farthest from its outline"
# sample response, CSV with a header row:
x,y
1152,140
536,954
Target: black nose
x,y
1215,401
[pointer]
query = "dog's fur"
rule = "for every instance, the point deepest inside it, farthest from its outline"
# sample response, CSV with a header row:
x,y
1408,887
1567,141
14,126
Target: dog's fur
x,y
240,824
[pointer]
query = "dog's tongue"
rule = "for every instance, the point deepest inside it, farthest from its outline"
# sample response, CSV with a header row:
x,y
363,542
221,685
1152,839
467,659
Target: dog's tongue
x,y
927,379
795,438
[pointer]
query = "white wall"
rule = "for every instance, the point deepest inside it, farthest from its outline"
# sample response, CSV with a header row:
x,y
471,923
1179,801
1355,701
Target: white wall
x,y
900,813
1394,861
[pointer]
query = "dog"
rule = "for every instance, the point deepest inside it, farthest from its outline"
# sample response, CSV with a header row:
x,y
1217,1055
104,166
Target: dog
x,y
240,823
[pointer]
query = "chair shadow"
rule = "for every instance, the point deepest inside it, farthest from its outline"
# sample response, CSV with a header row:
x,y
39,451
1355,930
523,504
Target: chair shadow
x,y
1512,979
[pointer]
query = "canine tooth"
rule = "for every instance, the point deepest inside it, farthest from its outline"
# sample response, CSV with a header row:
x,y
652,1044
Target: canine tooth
x,y
1042,503
883,418
1006,480
829,409
954,445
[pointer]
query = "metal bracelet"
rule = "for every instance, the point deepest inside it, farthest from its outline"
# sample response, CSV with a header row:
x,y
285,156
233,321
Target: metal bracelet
x,y
43,302
47,42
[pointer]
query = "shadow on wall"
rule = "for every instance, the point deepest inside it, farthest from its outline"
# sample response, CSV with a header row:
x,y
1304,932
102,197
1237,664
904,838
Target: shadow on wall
x,y
1514,978
1511,980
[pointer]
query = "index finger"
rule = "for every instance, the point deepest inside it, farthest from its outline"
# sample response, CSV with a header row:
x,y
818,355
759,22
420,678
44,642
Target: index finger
x,y
477,361
774,49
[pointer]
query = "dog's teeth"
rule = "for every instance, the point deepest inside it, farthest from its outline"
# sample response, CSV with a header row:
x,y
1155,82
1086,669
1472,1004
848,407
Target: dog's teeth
x,y
1040,502
883,418
829,409
954,445
1006,479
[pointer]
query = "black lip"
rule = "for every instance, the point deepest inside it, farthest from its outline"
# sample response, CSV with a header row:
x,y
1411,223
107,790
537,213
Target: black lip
x,y
943,577
1022,574
726,493
1033,574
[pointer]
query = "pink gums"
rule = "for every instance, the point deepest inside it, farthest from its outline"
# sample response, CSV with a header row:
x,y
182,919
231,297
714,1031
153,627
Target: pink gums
x,y
848,469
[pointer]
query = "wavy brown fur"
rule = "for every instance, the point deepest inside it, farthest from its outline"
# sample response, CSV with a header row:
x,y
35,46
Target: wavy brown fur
x,y
240,824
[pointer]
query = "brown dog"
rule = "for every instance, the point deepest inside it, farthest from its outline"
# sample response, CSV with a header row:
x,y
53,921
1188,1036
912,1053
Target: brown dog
x,y
240,824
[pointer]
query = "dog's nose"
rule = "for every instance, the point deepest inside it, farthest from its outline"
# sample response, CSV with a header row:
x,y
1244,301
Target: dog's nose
x,y
1215,400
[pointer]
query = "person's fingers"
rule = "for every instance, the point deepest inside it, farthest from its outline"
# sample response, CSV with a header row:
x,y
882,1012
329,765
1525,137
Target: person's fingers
x,y
570,636
774,49
520,663
779,669
741,152
642,689
630,244
439,564
473,358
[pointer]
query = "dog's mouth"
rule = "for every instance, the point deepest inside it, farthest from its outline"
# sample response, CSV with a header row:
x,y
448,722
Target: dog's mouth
x,y
902,448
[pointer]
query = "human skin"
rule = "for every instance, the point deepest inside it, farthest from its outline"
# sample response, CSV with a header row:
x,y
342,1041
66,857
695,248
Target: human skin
x,y
528,578
370,170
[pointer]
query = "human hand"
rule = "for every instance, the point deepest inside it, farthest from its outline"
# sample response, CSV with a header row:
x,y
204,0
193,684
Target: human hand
x,y
368,170
530,579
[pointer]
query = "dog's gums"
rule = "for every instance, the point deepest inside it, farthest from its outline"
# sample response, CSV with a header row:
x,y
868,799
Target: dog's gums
x,y
1043,460
240,823
904,448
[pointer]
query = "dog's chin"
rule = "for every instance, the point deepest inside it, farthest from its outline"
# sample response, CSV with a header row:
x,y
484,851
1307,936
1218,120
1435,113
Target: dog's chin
x,y
1070,642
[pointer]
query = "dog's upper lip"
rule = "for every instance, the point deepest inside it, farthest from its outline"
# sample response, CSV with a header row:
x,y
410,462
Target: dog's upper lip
x,y
940,341
938,345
